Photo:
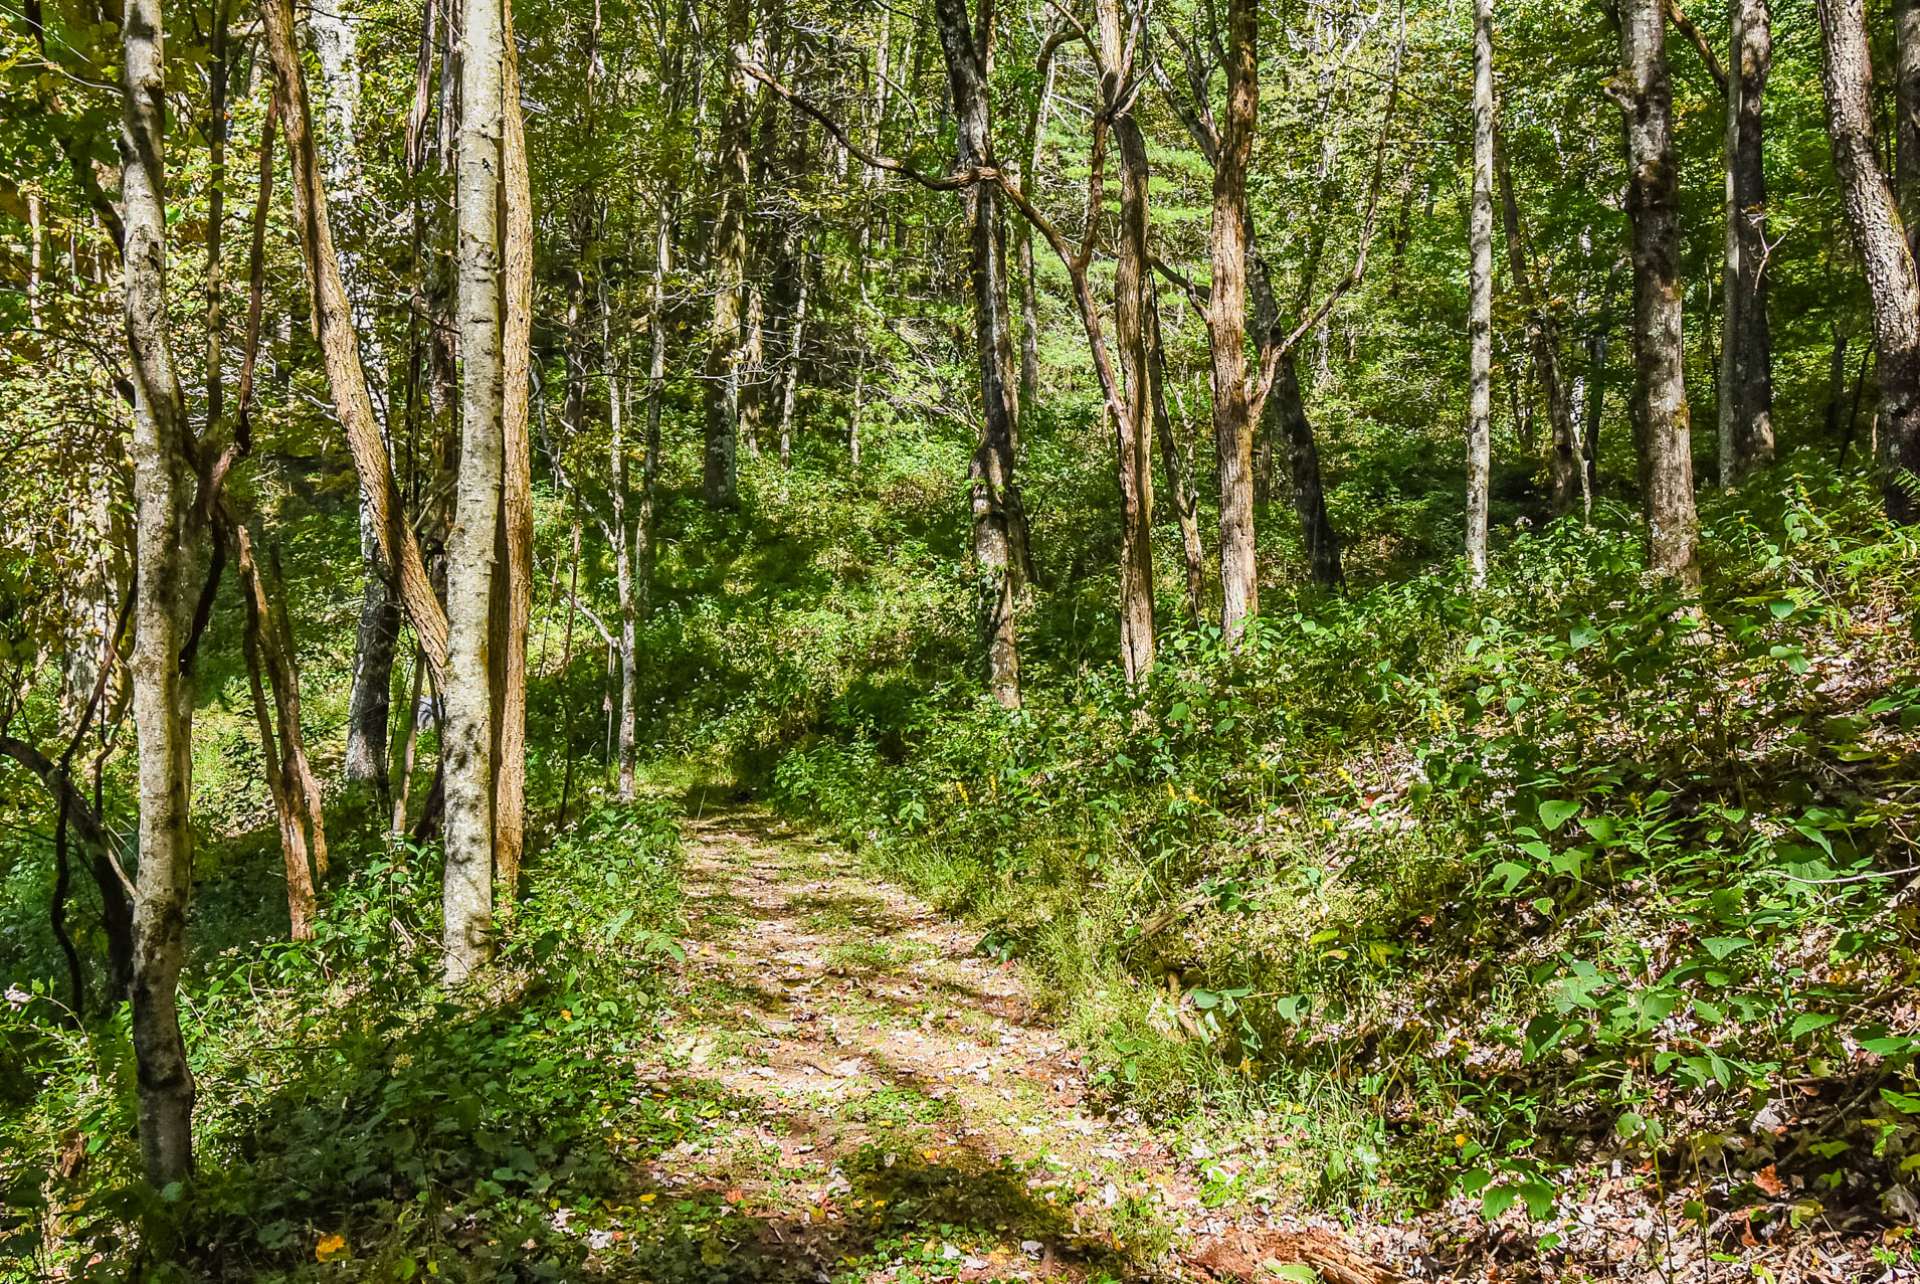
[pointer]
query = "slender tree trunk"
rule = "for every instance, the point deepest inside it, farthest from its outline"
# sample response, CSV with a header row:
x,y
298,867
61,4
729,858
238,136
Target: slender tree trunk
x,y
1480,296
1661,418
1874,217
1132,310
1179,468
643,550
1029,280
1233,412
1746,358
336,49
1285,417
408,747
1563,447
513,574
796,343
333,319
162,694
727,263
467,895
35,240
287,803
995,500
623,545
1906,117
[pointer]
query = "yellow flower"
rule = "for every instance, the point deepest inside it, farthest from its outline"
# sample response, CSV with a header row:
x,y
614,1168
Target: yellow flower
x,y
330,1247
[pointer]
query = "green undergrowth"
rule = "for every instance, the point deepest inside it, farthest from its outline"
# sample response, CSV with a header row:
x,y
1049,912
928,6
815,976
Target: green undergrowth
x,y
1464,890
350,1111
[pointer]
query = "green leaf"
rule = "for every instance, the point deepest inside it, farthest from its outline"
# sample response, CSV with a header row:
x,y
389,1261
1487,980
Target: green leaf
x,y
1296,1272
1555,812
1582,636
1497,1201
1808,1022
1906,1103
1539,1198
1514,872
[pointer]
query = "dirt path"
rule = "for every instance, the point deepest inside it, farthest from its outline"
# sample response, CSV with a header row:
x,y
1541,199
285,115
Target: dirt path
x,y
883,1104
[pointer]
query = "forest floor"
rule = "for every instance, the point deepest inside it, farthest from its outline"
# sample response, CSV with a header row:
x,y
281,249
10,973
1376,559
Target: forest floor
x,y
889,1105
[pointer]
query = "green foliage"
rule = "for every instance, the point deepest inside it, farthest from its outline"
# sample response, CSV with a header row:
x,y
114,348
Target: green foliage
x,y
1502,870
342,1093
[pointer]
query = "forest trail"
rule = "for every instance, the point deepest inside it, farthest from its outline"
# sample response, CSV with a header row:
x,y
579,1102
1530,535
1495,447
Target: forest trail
x,y
894,1107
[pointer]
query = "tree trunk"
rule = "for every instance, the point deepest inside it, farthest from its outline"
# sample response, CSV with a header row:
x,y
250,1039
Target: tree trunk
x,y
1285,416
623,545
1878,233
288,799
1906,117
162,693
1563,448
796,344
1178,463
333,320
643,549
1746,355
1132,309
1480,296
995,500
1660,415
513,573
1029,281
1233,411
473,545
727,264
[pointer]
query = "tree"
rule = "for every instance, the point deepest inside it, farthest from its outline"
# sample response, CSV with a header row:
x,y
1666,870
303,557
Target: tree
x,y
1662,424
1564,471
1881,239
472,547
728,265
1480,296
169,529
998,527
1746,362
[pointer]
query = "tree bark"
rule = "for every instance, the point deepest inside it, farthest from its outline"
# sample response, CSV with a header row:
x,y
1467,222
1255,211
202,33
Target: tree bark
x,y
288,799
1132,309
333,321
1661,419
1543,336
623,545
162,693
1906,117
1746,345
995,500
1480,296
643,550
473,545
513,573
1029,280
1233,411
1878,234
1178,464
727,264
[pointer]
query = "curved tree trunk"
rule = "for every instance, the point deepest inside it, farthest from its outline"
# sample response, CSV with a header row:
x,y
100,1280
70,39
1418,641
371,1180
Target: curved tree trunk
x,y
1874,217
